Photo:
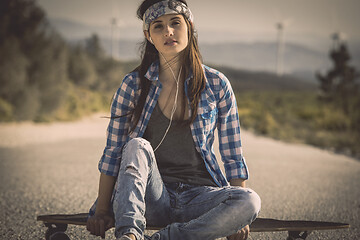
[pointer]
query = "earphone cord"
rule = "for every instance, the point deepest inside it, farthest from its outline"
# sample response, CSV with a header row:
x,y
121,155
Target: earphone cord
x,y
175,101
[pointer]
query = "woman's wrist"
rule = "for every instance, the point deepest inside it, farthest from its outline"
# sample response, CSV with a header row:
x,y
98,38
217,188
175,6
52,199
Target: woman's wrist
x,y
102,206
102,211
106,187
238,182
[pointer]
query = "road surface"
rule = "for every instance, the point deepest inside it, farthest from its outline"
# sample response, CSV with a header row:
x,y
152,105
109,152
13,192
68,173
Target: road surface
x,y
52,168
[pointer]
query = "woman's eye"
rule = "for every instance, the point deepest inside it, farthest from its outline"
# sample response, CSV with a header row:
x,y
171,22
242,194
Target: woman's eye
x,y
157,26
176,23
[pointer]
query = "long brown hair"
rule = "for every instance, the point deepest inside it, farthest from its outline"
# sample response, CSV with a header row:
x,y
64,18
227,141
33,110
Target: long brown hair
x,y
191,61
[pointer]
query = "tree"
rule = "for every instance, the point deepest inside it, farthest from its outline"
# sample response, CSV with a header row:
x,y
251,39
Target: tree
x,y
81,68
94,49
13,69
340,86
340,91
33,60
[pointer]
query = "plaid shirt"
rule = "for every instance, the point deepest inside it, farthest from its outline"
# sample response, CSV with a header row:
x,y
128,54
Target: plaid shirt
x,y
217,108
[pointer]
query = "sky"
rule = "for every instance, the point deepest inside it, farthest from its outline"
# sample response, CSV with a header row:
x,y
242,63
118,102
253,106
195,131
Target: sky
x,y
229,20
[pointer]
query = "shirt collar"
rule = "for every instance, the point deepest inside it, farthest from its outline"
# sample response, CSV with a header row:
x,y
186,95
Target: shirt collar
x,y
153,71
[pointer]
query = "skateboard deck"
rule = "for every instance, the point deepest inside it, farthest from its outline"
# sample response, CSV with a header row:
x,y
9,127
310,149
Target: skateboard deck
x,y
57,225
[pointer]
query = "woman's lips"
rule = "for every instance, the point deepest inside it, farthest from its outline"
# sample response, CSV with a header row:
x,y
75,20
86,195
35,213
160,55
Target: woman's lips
x,y
170,42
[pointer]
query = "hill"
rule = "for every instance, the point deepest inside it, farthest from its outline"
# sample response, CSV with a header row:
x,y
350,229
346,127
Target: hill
x,y
243,80
299,59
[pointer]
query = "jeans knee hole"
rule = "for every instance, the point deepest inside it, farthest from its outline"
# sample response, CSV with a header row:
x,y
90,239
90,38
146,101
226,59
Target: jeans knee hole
x,y
131,170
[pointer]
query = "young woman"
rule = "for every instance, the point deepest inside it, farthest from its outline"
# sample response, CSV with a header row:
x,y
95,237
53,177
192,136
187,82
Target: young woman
x,y
158,167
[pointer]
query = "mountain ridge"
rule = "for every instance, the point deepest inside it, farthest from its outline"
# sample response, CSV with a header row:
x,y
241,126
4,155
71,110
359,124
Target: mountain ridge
x,y
299,60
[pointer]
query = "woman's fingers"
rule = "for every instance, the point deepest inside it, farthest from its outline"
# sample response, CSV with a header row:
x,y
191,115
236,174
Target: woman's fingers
x,y
96,226
90,225
102,228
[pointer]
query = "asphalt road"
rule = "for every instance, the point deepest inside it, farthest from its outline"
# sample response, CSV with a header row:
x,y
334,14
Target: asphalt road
x,y
52,168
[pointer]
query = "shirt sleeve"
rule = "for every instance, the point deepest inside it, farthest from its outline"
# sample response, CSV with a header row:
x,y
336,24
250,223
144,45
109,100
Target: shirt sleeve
x,y
119,126
229,133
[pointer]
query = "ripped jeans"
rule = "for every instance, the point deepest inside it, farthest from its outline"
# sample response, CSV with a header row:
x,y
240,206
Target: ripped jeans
x,y
184,211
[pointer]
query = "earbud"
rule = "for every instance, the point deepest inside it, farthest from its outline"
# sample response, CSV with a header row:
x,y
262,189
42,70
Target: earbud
x,y
150,40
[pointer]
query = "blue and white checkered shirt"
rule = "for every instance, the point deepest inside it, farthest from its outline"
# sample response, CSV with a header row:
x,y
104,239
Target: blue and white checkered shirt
x,y
217,108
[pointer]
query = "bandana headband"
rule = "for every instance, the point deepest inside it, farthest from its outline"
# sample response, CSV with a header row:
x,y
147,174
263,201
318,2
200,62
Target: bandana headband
x,y
163,8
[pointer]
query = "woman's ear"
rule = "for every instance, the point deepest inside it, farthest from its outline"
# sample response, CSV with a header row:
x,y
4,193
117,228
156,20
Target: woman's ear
x,y
147,36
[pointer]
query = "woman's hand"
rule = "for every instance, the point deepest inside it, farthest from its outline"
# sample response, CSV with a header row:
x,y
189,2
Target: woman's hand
x,y
241,234
100,223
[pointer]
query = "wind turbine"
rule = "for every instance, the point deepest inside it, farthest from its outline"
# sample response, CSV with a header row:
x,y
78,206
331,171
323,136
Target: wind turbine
x,y
113,26
116,23
337,36
280,26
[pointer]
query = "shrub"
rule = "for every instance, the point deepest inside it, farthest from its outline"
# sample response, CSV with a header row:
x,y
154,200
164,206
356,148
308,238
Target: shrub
x,y
6,111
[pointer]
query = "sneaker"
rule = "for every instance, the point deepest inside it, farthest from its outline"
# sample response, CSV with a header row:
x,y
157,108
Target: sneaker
x,y
156,236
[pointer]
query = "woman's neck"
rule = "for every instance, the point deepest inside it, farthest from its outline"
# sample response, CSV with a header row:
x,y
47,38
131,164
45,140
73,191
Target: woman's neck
x,y
169,67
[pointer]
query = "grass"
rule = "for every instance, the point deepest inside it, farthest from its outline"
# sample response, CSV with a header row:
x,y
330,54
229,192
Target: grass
x,y
297,116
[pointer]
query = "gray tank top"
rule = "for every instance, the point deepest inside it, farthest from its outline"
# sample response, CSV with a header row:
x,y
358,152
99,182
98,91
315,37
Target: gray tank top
x,y
177,158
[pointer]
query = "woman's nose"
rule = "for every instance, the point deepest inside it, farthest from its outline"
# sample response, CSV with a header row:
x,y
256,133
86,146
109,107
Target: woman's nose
x,y
169,31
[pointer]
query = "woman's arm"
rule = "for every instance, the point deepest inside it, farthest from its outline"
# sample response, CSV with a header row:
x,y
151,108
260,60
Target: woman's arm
x,y
103,218
229,133
106,187
230,145
119,126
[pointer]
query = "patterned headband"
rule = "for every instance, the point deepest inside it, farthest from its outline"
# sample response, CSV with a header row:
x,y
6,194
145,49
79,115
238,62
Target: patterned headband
x,y
165,7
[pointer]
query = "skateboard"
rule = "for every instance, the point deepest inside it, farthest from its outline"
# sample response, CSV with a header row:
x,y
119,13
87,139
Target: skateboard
x,y
57,225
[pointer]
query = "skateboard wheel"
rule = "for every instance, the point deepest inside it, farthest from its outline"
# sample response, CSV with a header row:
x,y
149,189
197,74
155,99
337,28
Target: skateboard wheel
x,y
59,236
61,227
54,229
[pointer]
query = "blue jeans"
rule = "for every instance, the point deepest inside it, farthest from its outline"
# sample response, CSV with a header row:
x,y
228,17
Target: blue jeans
x,y
184,211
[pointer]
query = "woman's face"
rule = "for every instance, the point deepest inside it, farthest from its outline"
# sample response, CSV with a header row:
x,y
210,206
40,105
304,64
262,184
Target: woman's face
x,y
169,34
